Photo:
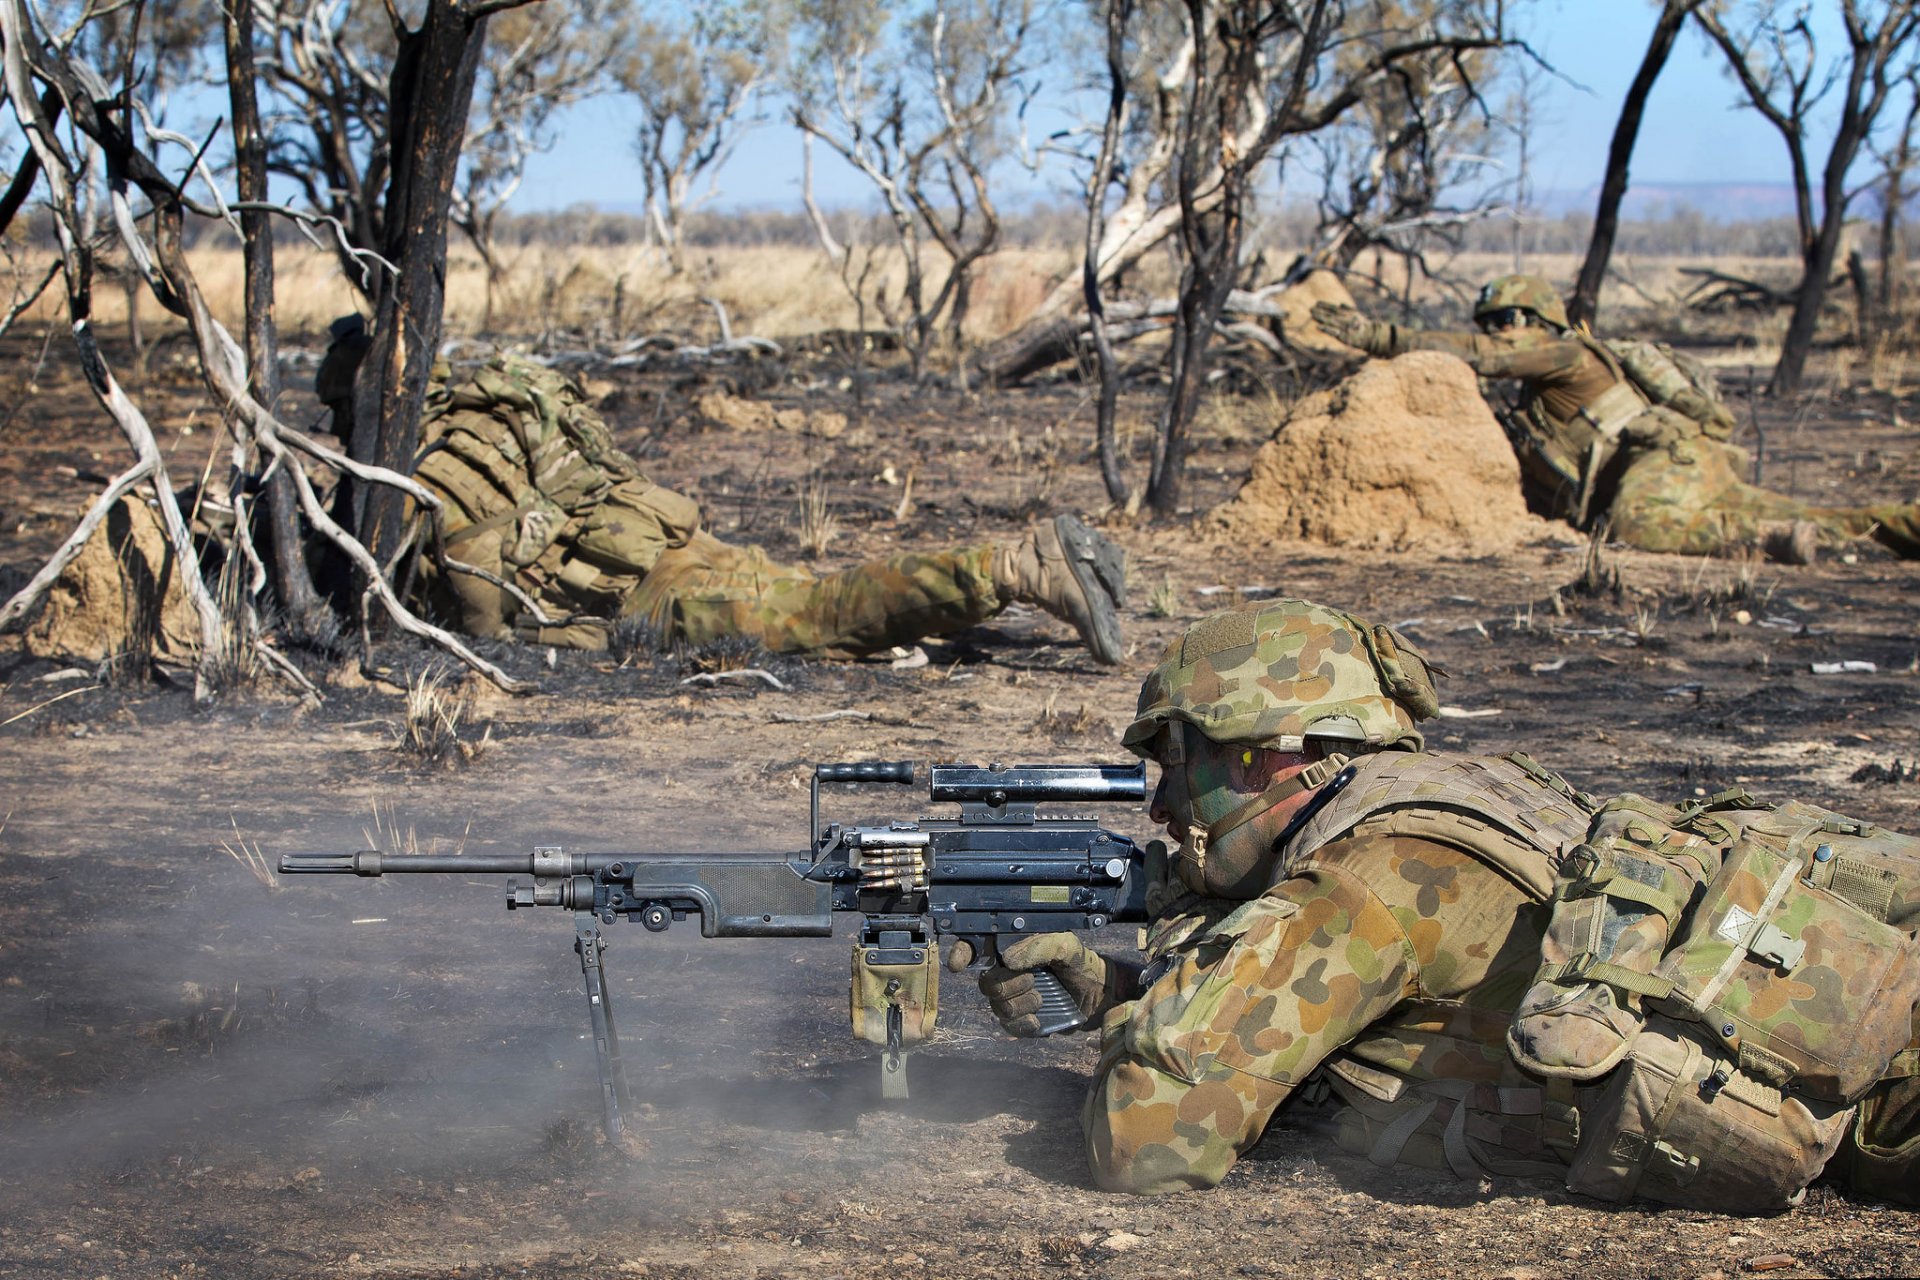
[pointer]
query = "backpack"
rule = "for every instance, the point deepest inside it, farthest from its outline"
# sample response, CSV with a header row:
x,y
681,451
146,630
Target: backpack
x,y
1743,975
1676,380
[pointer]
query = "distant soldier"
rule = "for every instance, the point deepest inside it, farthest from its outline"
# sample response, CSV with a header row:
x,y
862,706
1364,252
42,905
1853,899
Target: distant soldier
x,y
1493,973
541,508
1646,454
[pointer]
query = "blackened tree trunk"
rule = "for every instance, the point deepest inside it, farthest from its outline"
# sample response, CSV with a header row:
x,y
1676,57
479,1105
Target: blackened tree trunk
x,y
293,583
430,93
1584,305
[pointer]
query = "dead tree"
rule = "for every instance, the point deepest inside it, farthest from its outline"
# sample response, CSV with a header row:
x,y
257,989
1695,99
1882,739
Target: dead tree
x,y
1242,76
1896,170
1777,65
428,98
917,103
326,65
1584,304
537,62
292,577
1408,168
36,67
1356,46
694,82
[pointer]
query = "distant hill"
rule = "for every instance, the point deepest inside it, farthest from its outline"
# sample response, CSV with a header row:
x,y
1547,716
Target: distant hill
x,y
1723,201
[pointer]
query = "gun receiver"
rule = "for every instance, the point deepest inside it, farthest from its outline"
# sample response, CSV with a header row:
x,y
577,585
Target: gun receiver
x,y
999,870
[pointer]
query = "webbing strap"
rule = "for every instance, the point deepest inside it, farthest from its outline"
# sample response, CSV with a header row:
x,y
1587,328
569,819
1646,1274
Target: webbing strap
x,y
1394,1138
1586,968
1627,889
496,521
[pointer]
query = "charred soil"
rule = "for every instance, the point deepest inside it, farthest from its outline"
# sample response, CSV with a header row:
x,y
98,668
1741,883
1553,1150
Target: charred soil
x,y
209,1071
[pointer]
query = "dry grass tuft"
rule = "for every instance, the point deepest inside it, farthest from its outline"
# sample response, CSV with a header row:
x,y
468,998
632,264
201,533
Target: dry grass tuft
x,y
727,653
434,712
1164,600
1063,725
389,836
818,525
250,856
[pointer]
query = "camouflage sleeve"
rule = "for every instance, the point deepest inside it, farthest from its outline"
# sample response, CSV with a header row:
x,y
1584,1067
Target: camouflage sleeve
x,y
1490,357
1191,1072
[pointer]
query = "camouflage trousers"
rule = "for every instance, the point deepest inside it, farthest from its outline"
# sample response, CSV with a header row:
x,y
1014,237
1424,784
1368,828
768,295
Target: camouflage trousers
x,y
707,589
1371,939
1688,498
640,553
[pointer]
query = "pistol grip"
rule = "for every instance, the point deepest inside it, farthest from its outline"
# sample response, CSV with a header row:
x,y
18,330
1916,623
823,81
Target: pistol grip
x,y
1058,1012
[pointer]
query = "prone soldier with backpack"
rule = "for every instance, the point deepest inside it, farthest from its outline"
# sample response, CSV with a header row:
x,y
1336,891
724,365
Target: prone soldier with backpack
x,y
1631,433
1492,972
549,533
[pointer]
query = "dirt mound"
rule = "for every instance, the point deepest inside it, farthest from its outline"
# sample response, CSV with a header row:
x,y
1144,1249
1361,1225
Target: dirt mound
x,y
735,414
119,596
1403,455
1296,302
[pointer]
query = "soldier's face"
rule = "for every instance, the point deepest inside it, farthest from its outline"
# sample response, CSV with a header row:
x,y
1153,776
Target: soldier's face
x,y
1202,781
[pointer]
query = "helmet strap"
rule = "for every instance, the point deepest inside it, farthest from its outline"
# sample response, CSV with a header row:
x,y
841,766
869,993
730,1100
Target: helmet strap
x,y
1191,859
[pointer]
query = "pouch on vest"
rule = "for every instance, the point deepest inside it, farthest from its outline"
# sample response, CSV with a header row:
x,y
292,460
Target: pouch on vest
x,y
1883,1159
635,524
1672,1127
1618,900
1795,957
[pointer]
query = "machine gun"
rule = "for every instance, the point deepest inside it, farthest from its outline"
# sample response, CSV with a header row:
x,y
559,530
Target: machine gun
x,y
999,871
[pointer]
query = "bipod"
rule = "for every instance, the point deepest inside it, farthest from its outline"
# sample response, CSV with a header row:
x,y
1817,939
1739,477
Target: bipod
x,y
588,944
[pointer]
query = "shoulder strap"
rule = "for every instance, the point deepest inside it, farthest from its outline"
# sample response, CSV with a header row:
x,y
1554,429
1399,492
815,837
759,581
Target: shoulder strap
x,y
1512,814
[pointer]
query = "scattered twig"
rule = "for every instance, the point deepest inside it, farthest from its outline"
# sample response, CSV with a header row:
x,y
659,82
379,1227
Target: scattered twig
x,y
711,678
785,717
284,665
62,697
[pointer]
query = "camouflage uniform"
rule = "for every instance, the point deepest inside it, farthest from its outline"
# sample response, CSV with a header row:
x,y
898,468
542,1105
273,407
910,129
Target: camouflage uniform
x,y
536,494
1595,447
1377,947
1386,962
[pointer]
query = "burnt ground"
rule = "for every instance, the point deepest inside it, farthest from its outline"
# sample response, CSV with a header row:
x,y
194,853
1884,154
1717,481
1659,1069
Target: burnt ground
x,y
205,1074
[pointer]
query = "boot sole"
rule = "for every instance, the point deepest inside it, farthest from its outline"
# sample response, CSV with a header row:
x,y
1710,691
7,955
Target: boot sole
x,y
1100,570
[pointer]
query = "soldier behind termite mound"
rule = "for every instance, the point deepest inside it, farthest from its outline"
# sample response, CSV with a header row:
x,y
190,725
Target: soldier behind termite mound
x,y
1624,432
550,532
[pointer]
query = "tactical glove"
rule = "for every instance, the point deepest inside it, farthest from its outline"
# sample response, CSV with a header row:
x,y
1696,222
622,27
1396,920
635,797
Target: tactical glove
x,y
1094,982
1344,324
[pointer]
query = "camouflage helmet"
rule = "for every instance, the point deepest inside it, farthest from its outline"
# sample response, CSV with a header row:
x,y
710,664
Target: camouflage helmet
x,y
1278,672
1522,293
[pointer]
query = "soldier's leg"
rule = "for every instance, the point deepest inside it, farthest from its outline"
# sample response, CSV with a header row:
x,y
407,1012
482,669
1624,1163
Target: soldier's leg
x,y
1690,499
708,589
1687,499
485,610
1894,527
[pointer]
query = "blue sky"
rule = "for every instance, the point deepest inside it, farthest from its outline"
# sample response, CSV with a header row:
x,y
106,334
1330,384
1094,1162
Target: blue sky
x,y
1694,131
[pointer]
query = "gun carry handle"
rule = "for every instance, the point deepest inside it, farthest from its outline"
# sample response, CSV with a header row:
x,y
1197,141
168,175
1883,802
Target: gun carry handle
x,y
866,771
900,771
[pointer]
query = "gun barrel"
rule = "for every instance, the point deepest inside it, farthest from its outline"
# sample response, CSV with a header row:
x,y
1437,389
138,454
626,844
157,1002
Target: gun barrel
x,y
1029,783
372,862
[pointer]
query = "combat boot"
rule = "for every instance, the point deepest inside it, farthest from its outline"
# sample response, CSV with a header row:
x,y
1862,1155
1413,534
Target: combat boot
x,y
1795,543
1074,574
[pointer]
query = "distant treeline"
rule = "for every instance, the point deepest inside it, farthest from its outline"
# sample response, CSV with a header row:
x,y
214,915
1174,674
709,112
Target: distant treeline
x,y
1680,232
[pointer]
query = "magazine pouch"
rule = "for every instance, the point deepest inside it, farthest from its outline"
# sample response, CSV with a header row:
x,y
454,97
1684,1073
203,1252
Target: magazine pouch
x,y
1675,1124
